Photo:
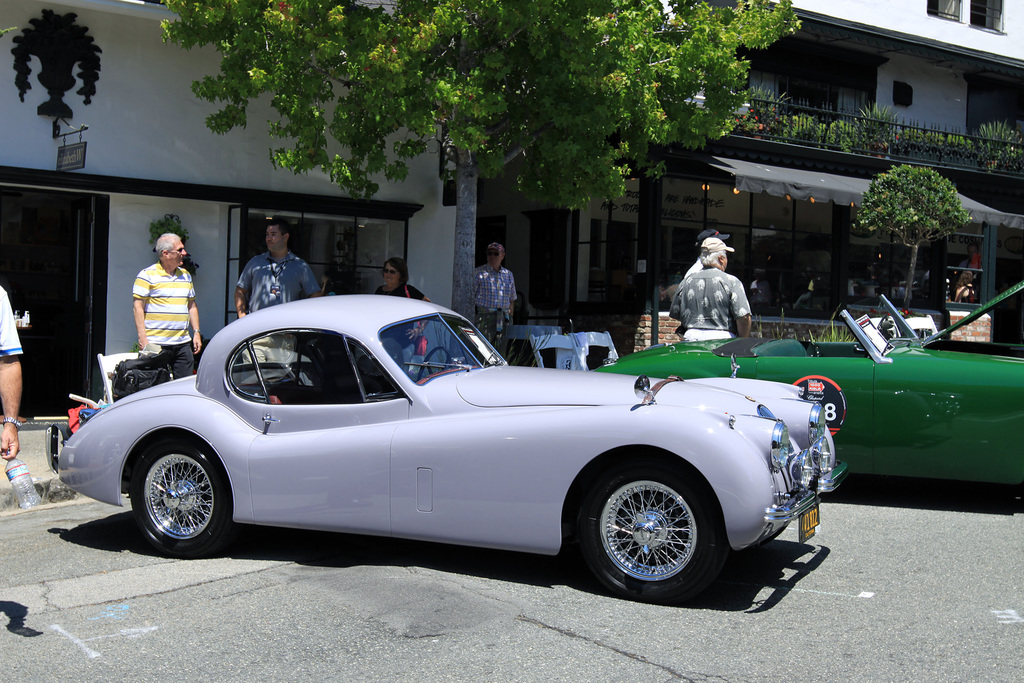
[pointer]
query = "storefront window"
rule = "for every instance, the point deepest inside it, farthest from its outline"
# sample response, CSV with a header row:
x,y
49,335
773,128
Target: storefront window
x,y
348,250
964,273
606,250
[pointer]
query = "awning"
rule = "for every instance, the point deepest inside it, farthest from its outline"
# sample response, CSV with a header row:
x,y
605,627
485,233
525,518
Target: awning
x,y
780,181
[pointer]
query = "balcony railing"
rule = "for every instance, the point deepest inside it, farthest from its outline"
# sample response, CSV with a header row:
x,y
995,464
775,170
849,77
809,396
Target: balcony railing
x,y
874,131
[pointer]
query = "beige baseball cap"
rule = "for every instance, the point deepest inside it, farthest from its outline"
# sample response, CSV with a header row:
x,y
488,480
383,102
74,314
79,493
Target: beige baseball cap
x,y
713,244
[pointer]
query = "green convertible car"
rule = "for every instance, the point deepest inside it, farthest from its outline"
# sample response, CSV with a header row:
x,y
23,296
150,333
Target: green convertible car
x,y
896,403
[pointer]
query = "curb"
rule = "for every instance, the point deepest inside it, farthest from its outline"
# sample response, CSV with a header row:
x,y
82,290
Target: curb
x,y
33,453
49,490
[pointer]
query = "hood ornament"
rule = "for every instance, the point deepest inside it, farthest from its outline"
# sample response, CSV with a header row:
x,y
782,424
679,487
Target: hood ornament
x,y
646,393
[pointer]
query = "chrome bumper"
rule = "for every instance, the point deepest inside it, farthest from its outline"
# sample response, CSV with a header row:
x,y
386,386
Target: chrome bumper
x,y
791,510
806,500
839,473
54,440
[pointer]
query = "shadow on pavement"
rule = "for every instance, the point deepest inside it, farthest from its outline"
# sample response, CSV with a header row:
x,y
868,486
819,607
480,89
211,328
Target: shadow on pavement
x,y
743,579
929,494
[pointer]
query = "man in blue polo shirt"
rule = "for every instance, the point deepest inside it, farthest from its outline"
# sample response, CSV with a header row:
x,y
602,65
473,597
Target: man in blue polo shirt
x,y
275,277
10,379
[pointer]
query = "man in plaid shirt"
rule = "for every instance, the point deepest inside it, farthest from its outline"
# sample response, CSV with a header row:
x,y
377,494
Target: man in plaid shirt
x,y
494,295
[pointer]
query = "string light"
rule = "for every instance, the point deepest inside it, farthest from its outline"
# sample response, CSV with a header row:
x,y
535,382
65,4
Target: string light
x,y
735,190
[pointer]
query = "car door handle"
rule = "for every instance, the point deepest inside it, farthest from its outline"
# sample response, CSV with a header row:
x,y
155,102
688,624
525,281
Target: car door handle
x,y
268,419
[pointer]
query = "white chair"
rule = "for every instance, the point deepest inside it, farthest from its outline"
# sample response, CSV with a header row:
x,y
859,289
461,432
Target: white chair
x,y
563,353
596,349
517,341
107,365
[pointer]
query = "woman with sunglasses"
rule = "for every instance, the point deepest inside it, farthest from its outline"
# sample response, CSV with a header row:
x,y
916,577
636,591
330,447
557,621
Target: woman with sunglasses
x,y
396,280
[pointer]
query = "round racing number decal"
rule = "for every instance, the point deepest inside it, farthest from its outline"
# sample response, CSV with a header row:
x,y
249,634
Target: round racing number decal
x,y
828,395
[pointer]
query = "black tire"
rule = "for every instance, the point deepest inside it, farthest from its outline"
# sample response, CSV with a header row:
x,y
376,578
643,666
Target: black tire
x,y
181,500
650,532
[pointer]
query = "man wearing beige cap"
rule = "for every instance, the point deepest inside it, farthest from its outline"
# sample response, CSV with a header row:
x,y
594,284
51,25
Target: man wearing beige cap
x,y
711,304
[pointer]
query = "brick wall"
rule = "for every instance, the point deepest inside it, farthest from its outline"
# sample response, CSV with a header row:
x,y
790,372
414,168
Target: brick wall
x,y
632,333
979,330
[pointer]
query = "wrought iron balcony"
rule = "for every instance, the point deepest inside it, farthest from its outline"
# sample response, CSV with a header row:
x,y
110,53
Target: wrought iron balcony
x,y
875,131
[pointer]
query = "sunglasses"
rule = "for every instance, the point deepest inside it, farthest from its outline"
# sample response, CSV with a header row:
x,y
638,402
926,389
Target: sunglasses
x,y
494,253
180,251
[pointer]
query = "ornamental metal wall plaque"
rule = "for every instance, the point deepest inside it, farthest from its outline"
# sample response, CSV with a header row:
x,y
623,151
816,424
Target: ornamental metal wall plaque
x,y
59,44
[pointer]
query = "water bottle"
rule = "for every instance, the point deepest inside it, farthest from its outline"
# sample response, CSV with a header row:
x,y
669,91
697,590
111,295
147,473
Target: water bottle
x,y
21,482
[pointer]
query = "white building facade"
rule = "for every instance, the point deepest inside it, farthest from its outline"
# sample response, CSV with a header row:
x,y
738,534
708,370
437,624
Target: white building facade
x,y
72,241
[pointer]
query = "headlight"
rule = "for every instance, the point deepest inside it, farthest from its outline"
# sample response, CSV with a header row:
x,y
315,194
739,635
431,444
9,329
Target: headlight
x,y
802,468
816,424
825,457
780,445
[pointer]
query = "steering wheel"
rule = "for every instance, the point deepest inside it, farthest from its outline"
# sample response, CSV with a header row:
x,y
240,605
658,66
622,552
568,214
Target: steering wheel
x,y
440,351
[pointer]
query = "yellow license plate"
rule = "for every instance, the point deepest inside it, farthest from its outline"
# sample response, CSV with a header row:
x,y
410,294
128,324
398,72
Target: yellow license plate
x,y
809,523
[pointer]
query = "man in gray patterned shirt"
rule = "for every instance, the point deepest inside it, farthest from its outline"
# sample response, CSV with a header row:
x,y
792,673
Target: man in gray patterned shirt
x,y
711,304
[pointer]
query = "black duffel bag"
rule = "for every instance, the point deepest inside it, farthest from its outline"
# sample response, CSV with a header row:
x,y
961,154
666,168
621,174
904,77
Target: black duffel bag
x,y
140,373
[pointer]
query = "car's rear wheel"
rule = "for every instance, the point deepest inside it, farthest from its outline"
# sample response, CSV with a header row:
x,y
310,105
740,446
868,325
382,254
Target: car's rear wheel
x,y
181,500
650,532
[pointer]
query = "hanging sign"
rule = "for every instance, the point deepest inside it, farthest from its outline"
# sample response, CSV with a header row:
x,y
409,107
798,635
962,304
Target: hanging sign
x,y
71,157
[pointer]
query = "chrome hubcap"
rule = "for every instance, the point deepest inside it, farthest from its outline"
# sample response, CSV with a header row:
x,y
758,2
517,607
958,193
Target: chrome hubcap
x,y
648,530
179,496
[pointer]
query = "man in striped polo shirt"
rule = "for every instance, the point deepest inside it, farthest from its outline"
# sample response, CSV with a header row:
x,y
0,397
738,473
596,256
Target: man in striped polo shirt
x,y
164,304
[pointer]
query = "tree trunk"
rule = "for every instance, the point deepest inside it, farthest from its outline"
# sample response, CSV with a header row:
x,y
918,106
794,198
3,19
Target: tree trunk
x,y
466,176
910,275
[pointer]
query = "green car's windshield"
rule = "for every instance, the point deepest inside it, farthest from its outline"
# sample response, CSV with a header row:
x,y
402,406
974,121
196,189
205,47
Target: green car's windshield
x,y
435,344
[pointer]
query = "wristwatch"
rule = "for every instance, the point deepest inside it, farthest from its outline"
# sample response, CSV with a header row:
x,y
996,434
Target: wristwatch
x,y
14,421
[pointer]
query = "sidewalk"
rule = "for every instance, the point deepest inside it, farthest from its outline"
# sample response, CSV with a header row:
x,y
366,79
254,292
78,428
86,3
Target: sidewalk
x,y
33,454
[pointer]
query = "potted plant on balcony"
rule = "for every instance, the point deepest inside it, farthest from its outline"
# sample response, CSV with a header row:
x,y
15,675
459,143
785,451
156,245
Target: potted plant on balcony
x,y
807,128
1000,147
876,128
841,135
762,115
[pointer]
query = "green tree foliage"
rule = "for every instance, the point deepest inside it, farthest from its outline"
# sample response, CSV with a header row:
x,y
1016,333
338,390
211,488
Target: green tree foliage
x,y
916,205
577,89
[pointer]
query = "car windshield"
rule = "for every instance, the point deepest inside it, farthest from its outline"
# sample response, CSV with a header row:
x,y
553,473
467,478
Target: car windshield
x,y
435,344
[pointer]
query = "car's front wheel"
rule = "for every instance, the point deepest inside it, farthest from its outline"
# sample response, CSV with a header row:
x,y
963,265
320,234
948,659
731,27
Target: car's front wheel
x,y
650,532
181,500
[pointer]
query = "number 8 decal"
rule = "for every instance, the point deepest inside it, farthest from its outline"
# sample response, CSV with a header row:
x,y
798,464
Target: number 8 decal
x,y
826,393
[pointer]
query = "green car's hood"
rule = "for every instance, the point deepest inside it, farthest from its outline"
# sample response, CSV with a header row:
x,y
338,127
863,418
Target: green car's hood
x,y
978,312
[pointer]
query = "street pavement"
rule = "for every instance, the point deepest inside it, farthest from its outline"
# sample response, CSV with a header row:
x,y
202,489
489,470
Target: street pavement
x,y
33,454
904,581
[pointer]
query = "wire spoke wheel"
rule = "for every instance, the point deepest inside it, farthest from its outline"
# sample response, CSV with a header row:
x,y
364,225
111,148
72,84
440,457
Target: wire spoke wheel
x,y
648,530
179,496
181,499
651,529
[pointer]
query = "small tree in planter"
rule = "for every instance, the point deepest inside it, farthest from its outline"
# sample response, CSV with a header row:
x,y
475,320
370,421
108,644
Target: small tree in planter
x,y
170,223
916,205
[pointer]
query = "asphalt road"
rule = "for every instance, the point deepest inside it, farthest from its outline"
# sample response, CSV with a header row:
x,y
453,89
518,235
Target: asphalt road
x,y
902,582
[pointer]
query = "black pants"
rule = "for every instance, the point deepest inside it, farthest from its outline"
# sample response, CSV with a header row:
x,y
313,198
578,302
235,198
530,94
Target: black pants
x,y
180,359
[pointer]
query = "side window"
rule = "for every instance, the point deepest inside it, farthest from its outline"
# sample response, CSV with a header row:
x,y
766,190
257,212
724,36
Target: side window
x,y
296,368
376,384
245,378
